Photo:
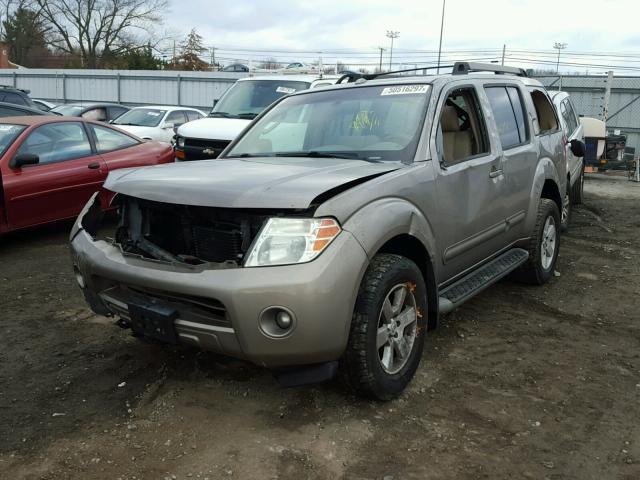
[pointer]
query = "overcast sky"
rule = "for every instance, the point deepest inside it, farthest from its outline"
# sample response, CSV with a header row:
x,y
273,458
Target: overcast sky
x,y
587,25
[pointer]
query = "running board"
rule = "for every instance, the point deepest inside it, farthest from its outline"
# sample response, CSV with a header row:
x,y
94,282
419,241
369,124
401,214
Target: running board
x,y
469,286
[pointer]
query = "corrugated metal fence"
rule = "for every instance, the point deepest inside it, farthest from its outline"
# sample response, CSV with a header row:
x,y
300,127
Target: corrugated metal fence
x,y
200,89
130,87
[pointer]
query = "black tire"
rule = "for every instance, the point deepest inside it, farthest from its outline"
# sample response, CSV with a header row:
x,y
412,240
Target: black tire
x,y
361,366
577,191
567,210
533,271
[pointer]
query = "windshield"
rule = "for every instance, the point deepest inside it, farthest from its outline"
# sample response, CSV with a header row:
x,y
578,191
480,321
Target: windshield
x,y
247,99
374,123
8,134
142,117
69,110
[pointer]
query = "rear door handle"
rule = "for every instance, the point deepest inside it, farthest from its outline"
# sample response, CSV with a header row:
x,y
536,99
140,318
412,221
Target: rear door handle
x,y
94,166
495,172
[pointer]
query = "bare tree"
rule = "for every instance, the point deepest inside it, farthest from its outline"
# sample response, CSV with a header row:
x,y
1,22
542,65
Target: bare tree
x,y
92,28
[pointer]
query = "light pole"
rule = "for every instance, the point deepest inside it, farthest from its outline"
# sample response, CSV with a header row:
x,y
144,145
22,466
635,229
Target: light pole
x,y
444,2
392,35
381,50
559,46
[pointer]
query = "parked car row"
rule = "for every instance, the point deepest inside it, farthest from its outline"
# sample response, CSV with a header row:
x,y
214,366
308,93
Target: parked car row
x,y
324,229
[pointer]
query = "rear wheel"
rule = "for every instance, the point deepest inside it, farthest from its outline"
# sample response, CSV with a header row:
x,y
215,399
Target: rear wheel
x,y
544,245
387,329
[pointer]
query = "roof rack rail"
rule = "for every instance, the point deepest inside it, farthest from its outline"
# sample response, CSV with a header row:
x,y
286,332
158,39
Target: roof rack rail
x,y
353,76
463,68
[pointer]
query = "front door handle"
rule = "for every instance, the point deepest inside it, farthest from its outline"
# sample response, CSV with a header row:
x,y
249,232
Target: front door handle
x,y
495,172
94,166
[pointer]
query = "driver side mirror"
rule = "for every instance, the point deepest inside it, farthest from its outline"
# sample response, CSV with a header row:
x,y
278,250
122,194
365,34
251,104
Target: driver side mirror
x,y
578,148
24,159
215,102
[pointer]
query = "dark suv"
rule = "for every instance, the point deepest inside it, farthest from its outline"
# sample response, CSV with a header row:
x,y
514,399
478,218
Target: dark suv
x,y
18,96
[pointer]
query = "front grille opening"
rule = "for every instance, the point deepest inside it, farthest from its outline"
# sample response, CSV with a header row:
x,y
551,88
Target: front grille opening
x,y
185,234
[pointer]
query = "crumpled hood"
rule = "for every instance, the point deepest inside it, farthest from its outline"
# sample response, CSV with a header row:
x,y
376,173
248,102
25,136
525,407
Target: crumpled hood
x,y
277,183
213,128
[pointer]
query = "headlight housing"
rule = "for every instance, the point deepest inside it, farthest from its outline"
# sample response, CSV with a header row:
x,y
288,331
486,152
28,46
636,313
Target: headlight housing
x,y
180,142
285,241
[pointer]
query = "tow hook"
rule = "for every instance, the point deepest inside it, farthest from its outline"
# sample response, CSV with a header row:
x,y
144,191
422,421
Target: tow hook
x,y
122,323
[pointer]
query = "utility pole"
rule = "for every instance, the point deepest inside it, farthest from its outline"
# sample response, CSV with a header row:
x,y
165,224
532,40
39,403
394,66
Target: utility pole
x,y
607,96
213,57
444,2
504,50
381,50
392,35
174,51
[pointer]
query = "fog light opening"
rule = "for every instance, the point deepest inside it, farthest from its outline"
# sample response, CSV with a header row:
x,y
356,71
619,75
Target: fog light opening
x,y
277,322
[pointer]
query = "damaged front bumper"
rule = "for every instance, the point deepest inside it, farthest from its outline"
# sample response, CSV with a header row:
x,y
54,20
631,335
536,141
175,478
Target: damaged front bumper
x,y
232,311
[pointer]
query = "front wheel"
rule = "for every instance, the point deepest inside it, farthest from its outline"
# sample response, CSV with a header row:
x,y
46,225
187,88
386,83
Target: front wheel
x,y
387,329
544,245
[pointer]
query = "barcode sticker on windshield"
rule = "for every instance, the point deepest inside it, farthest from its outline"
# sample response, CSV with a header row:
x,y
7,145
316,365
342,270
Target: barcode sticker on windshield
x,y
405,90
285,90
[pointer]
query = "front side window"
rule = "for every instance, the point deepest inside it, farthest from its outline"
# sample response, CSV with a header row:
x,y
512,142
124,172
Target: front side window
x,y
141,117
108,140
372,123
462,131
249,98
569,116
57,142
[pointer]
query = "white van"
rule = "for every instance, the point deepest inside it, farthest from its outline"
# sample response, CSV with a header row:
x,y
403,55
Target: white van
x,y
246,99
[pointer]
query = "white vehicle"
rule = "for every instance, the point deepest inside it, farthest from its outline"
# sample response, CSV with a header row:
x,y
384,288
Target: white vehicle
x,y
575,150
300,68
156,122
240,104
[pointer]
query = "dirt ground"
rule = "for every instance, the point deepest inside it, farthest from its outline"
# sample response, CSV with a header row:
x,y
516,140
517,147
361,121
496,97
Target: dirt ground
x,y
521,382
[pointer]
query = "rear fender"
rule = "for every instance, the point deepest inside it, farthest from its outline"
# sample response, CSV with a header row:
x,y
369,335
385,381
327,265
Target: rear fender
x,y
546,170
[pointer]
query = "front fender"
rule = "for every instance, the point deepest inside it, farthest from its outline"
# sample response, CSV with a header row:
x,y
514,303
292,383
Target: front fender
x,y
379,221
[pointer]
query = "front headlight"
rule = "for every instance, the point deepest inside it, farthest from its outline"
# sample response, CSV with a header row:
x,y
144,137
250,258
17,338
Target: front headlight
x,y
283,241
180,142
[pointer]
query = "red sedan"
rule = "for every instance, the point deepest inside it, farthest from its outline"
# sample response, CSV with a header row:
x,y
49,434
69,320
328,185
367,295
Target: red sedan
x,y
50,166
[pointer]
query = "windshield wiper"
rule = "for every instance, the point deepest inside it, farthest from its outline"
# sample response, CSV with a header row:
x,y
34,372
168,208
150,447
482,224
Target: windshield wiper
x,y
221,114
250,155
247,115
317,154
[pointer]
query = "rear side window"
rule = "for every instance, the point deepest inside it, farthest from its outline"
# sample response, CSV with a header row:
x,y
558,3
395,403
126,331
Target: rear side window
x,y
191,115
14,98
108,140
509,116
547,119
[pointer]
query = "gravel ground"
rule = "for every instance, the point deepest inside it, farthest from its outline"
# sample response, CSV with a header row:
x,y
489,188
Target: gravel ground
x,y
521,382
